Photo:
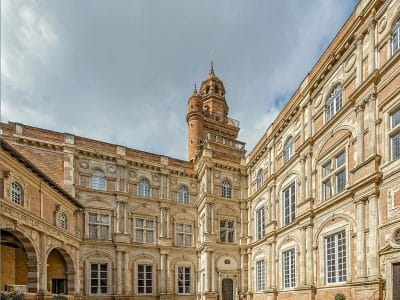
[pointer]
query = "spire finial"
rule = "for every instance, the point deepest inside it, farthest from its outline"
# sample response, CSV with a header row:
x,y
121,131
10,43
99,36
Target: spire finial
x,y
195,89
212,68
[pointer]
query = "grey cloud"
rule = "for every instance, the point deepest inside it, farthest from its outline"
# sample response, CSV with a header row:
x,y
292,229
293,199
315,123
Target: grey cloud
x,y
121,71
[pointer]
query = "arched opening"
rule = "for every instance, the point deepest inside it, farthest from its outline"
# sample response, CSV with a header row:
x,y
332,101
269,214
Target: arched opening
x,y
60,272
18,263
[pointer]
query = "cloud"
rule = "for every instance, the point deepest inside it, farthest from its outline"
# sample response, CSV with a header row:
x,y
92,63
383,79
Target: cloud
x,y
122,71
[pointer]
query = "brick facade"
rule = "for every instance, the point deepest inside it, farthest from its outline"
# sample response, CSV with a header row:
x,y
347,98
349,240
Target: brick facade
x,y
255,227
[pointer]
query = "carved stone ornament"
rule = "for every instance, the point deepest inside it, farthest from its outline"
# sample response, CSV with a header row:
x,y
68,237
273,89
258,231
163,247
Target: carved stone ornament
x,y
217,175
382,25
132,174
279,146
396,237
350,63
318,101
84,164
112,169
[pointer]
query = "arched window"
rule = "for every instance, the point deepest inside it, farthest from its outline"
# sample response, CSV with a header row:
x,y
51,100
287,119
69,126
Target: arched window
x,y
288,150
396,37
62,220
98,180
144,188
334,102
183,194
226,189
17,193
260,179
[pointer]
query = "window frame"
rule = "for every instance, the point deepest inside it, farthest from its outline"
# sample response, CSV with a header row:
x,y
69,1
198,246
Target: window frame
x,y
292,275
395,30
184,286
101,184
184,234
226,189
260,179
59,221
145,264
107,271
20,193
144,191
288,149
331,102
98,224
260,226
332,177
292,206
336,266
183,194
145,229
227,230
260,274
393,132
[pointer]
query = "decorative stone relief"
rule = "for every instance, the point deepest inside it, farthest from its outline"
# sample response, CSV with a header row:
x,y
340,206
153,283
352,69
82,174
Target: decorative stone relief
x,y
132,174
382,25
155,178
112,169
217,174
318,101
350,63
279,146
84,164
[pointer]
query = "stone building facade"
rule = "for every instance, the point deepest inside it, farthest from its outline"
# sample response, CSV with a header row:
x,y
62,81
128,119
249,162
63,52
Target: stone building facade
x,y
313,211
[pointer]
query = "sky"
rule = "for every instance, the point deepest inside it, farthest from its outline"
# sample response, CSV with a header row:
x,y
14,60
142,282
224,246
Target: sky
x,y
122,71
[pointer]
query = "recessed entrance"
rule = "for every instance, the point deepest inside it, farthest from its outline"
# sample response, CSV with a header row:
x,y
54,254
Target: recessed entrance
x,y
227,289
18,262
56,273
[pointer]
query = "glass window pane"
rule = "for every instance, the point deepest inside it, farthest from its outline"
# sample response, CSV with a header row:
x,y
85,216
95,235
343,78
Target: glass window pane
x,y
92,231
93,218
341,181
104,232
340,159
395,146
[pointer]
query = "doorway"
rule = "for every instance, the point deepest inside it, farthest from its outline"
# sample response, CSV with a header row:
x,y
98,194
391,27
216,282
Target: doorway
x,y
227,289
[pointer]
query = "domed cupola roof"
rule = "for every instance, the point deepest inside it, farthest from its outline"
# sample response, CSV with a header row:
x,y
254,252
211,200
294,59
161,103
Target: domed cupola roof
x,y
212,85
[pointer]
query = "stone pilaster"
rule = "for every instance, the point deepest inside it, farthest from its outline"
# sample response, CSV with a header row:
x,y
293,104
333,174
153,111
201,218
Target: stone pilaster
x,y
361,261
373,242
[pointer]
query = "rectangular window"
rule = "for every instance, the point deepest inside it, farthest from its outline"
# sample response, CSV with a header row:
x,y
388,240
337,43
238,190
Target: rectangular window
x,y
335,245
184,235
289,203
98,278
260,275
184,280
145,279
260,223
289,269
334,175
144,230
99,226
226,231
394,135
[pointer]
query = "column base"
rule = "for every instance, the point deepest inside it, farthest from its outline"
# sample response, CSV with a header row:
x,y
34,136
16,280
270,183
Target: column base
x,y
210,296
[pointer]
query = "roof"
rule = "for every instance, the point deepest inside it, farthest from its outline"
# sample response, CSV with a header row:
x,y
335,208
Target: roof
x,y
22,159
